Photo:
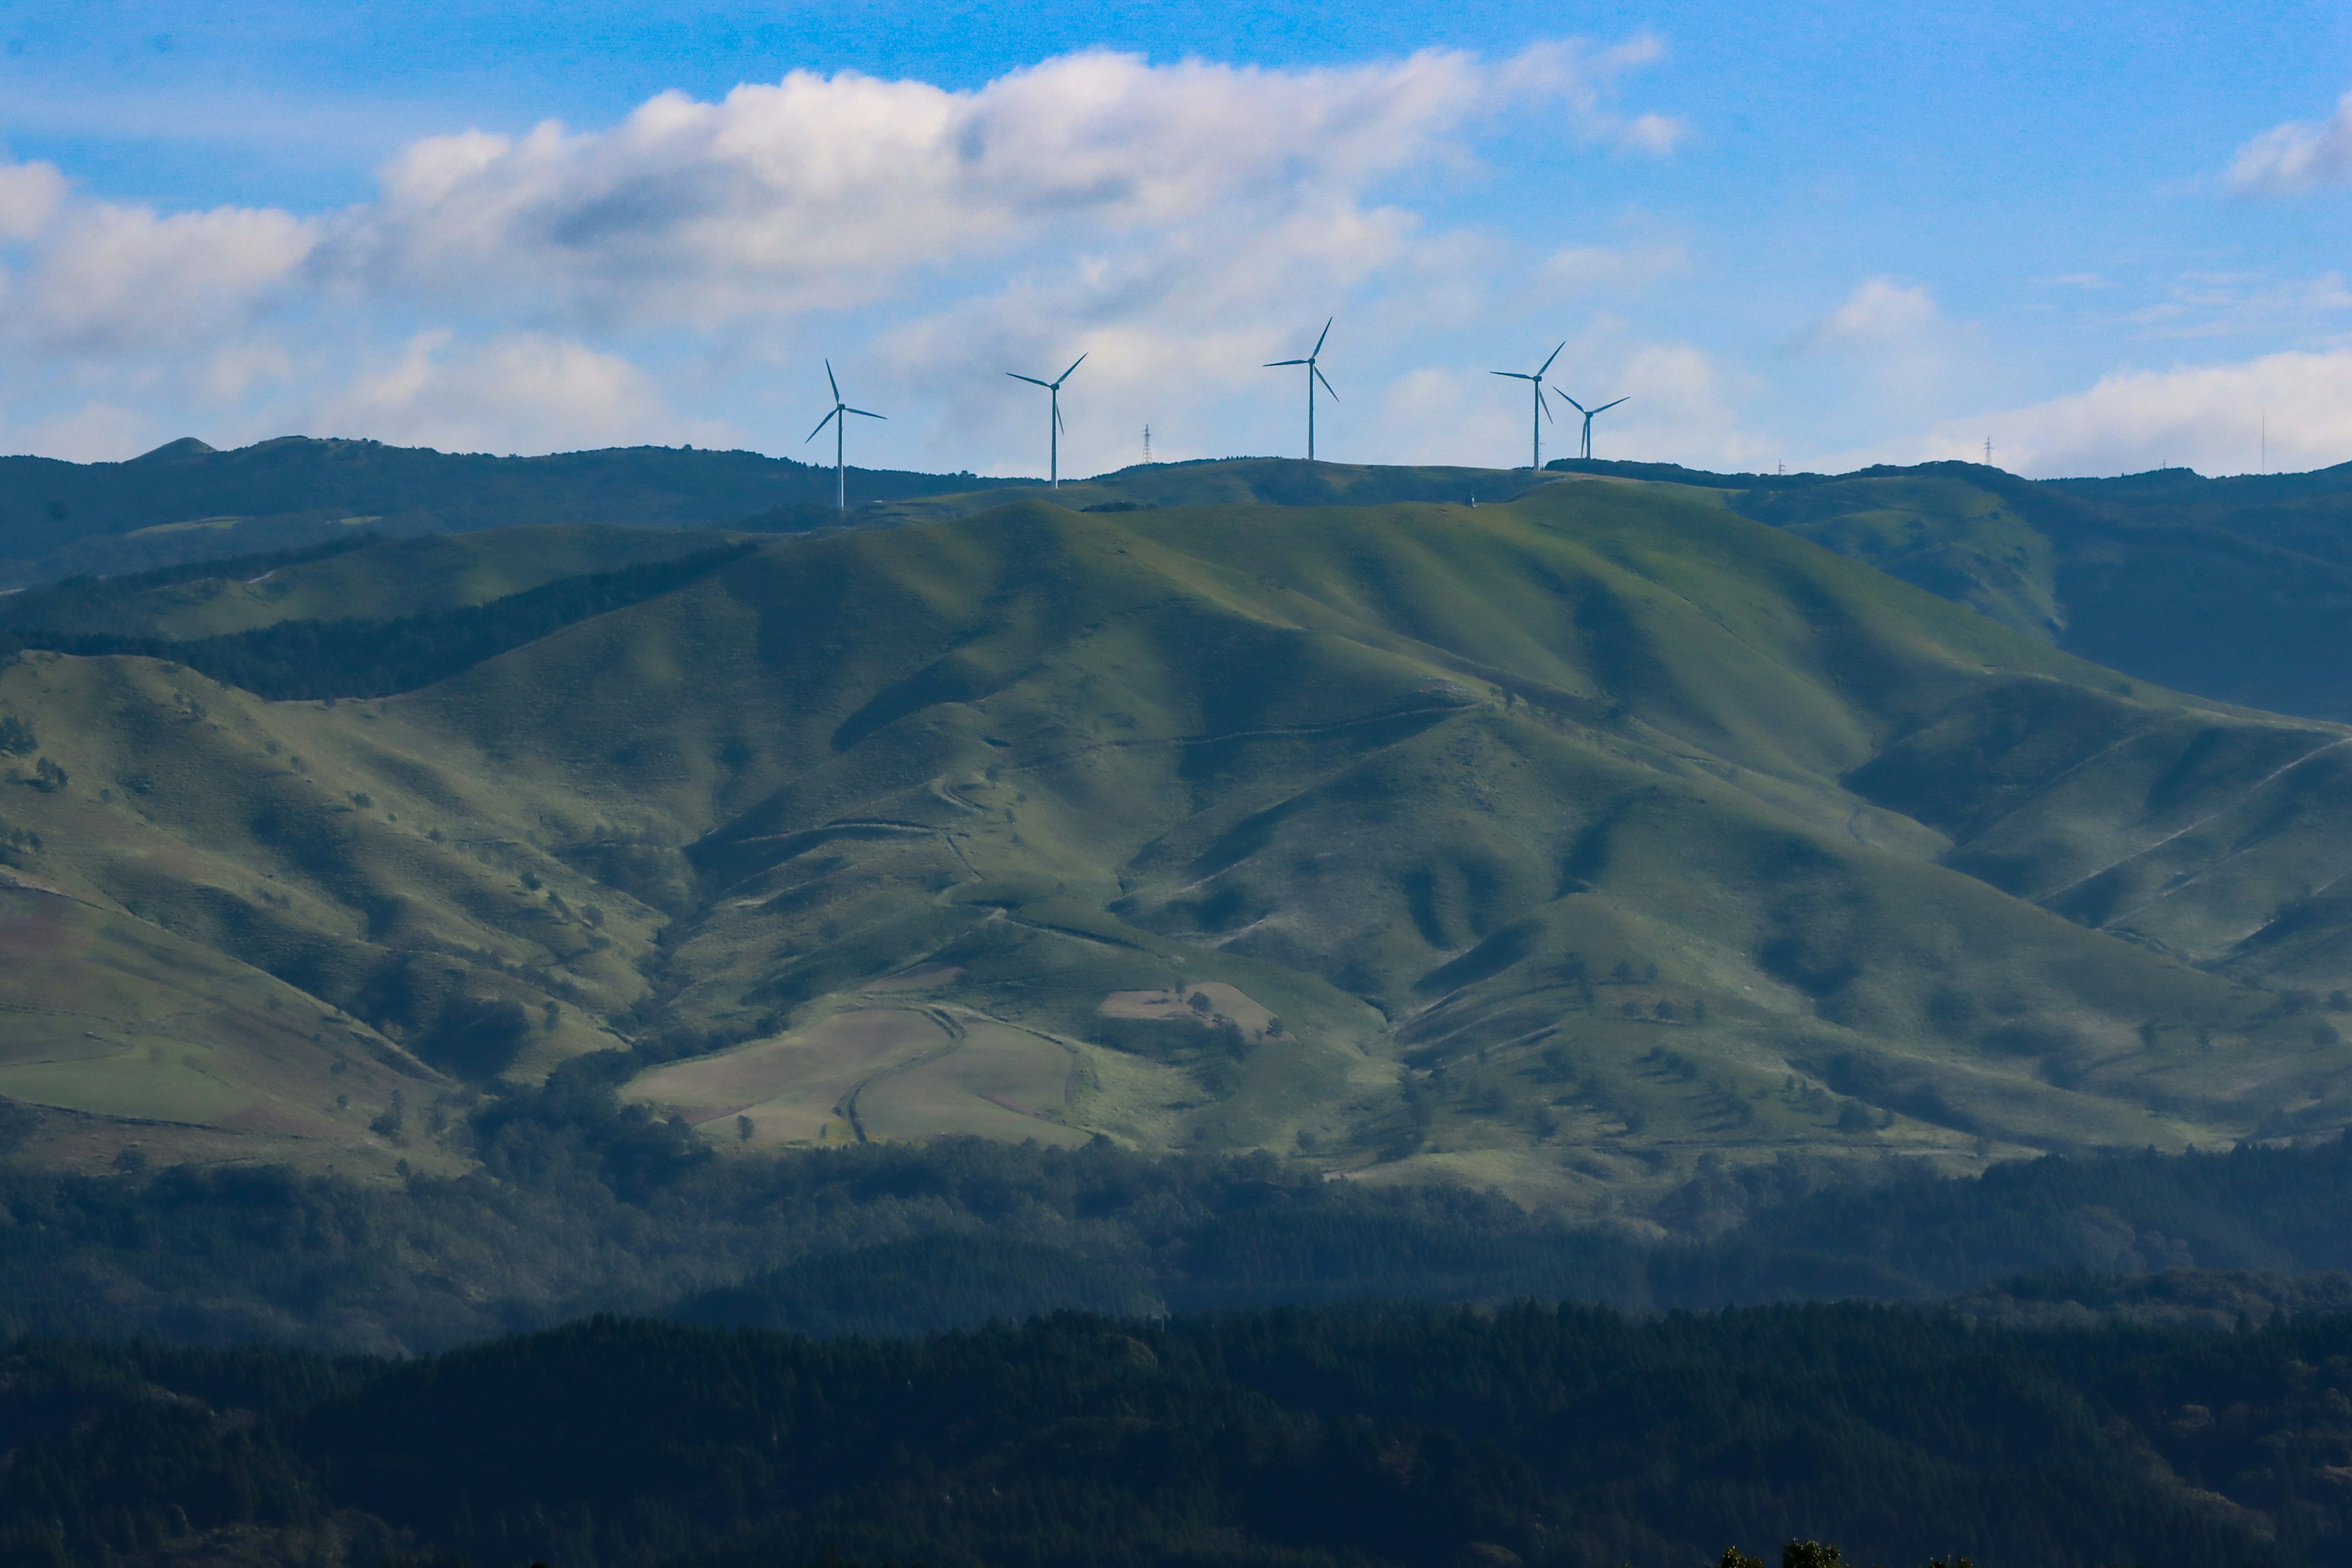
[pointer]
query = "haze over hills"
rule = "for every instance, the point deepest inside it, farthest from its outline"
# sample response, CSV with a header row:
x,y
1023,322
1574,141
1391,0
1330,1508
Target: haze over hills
x,y
1556,845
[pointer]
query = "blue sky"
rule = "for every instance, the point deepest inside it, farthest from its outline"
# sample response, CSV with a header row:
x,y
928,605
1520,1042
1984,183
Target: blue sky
x,y
1820,235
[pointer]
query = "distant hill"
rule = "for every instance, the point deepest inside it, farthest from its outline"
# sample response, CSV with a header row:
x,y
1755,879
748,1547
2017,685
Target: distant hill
x,y
186,501
1558,845
2234,588
2237,589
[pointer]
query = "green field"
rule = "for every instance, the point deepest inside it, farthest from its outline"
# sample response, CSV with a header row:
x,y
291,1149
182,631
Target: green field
x,y
1570,842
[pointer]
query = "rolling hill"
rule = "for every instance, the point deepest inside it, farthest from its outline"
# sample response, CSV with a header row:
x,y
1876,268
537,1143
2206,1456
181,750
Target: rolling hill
x,y
1559,844
2237,588
186,502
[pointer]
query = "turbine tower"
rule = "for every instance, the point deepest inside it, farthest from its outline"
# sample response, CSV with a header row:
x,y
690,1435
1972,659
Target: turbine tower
x,y
1542,409
838,419
1313,375
1054,437
1589,416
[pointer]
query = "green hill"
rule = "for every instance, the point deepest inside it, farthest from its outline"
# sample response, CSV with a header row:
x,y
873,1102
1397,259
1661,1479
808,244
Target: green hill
x,y
186,501
1559,844
2236,588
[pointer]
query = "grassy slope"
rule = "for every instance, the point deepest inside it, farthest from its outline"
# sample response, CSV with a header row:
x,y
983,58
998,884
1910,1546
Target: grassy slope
x,y
380,580
1570,840
186,501
2237,589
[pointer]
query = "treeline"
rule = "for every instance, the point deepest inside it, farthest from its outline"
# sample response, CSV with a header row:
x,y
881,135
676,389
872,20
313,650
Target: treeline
x,y
295,659
582,1204
1569,1436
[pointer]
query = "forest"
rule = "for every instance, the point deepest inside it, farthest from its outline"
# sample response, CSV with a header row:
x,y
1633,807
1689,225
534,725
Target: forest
x,y
1359,1435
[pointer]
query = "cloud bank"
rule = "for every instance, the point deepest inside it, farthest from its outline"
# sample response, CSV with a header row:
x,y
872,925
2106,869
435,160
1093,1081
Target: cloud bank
x,y
512,291
2213,418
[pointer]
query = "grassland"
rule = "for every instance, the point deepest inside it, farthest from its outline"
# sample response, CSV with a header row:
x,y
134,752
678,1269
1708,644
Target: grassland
x,y
1559,844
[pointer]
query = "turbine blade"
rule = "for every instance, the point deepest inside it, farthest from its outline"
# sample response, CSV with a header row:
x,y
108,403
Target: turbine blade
x,y
868,412
1555,354
1607,406
831,383
1278,363
1318,341
1074,364
1579,407
1325,381
1030,379
1057,418
1514,375
819,426
1541,404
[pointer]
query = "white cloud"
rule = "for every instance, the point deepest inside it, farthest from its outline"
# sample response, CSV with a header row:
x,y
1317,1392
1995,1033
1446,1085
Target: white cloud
x,y
567,286
2208,418
518,392
1880,315
95,432
110,278
2296,156
831,191
30,193
1904,355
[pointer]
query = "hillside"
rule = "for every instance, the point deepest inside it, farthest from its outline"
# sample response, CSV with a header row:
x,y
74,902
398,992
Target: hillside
x,y
1556,845
2239,589
186,501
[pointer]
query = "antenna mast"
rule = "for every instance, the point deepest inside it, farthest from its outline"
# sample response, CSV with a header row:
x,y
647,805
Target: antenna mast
x,y
1147,446
1988,451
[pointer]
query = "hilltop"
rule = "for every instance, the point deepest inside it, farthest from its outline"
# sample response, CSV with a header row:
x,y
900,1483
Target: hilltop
x,y
186,502
2236,589
1560,844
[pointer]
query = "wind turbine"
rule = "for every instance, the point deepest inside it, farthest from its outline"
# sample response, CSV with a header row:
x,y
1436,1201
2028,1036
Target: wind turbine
x,y
1542,409
1589,415
838,419
1313,375
1053,461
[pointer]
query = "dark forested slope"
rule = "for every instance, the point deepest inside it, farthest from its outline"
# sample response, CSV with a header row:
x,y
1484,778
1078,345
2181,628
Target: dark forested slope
x,y
1569,1438
578,1204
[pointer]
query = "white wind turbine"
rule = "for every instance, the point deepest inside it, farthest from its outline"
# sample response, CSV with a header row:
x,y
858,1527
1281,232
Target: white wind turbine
x,y
838,419
1542,409
1054,449
1313,375
1589,415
